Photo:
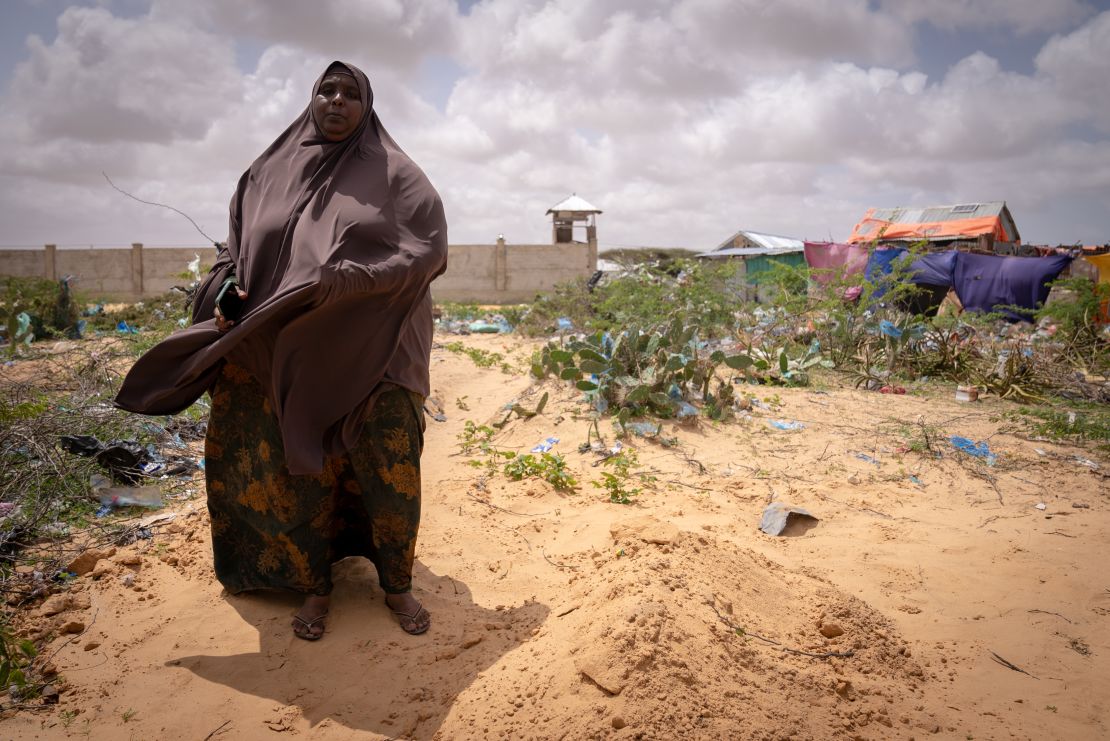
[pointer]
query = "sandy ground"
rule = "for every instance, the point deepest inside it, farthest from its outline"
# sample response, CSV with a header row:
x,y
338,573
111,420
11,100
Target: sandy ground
x,y
565,616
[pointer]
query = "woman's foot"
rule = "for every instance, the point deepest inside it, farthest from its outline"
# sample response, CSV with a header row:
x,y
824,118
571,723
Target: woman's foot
x,y
412,616
308,623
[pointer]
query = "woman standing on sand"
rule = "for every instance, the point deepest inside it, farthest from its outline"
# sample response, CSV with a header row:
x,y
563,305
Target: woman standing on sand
x,y
313,333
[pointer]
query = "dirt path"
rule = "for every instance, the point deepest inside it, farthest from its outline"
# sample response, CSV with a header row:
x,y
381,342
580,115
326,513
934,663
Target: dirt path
x,y
565,616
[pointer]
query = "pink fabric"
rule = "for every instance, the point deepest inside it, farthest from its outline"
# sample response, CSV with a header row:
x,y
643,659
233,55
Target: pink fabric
x,y
832,261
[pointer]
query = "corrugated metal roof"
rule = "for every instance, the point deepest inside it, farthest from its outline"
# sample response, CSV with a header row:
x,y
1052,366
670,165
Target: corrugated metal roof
x,y
574,203
966,220
929,214
749,251
769,242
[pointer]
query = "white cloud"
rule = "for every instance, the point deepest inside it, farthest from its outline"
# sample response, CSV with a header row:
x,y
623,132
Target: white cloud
x,y
683,120
1024,16
108,79
397,33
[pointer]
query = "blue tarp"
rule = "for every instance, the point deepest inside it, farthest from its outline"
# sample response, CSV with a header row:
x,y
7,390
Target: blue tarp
x,y
935,268
988,282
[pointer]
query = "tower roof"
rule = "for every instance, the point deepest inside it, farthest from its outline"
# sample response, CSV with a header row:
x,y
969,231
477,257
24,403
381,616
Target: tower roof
x,y
574,203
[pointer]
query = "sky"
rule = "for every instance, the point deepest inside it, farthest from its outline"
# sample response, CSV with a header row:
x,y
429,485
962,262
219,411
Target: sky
x,y
683,120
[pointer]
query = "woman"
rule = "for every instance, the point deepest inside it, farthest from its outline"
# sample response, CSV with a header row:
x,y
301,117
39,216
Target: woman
x,y
314,441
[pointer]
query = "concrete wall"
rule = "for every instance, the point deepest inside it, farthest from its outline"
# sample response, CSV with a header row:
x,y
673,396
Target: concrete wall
x,y
486,273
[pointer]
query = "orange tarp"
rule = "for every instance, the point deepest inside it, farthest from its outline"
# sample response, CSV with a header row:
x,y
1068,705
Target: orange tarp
x,y
1102,262
870,228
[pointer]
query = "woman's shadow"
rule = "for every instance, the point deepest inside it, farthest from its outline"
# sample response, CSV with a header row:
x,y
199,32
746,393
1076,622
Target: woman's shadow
x,y
365,673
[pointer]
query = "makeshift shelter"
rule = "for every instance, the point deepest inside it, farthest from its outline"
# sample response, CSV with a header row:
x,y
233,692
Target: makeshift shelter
x,y
989,226
992,282
757,253
1012,286
982,282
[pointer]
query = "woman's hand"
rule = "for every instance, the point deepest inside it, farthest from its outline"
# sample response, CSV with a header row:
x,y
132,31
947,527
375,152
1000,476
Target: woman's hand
x,y
222,323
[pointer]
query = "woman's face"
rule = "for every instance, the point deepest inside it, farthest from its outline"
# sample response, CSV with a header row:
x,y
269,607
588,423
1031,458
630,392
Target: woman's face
x,y
337,106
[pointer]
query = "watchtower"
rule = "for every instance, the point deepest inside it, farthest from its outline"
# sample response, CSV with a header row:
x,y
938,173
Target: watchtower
x,y
570,213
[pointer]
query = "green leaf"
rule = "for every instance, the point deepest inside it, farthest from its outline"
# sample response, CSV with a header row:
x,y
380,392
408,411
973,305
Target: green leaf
x,y
717,357
588,354
639,395
586,385
739,362
570,374
623,416
661,400
28,649
784,362
674,362
588,365
562,356
617,345
542,404
538,371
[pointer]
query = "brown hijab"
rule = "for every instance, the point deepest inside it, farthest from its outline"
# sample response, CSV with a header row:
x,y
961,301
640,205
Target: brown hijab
x,y
336,244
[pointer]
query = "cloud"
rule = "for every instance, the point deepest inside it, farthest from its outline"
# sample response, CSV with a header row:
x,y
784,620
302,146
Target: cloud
x,y
1023,16
393,33
106,79
683,120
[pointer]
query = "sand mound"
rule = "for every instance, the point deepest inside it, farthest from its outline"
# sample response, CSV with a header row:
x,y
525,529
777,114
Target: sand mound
x,y
642,648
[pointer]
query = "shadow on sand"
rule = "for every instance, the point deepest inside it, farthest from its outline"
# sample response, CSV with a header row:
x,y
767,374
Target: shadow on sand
x,y
365,673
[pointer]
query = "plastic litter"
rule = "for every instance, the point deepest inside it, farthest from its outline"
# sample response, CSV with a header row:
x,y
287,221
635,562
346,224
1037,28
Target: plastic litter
x,y
564,324
977,450
23,333
123,458
644,429
917,481
686,409
123,496
782,424
782,519
126,460
126,328
967,393
545,446
888,328
494,327
1086,462
869,459
1041,506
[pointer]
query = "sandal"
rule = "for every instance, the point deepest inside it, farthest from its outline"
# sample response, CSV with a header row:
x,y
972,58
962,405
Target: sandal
x,y
416,629
305,628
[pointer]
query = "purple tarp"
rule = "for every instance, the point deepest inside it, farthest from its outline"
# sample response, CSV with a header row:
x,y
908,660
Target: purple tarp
x,y
989,282
935,268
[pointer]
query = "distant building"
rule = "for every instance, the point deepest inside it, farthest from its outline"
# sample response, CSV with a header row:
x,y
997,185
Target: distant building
x,y
988,227
757,253
573,212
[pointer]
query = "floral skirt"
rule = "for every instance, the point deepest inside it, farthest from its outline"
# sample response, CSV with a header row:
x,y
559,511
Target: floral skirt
x,y
273,530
